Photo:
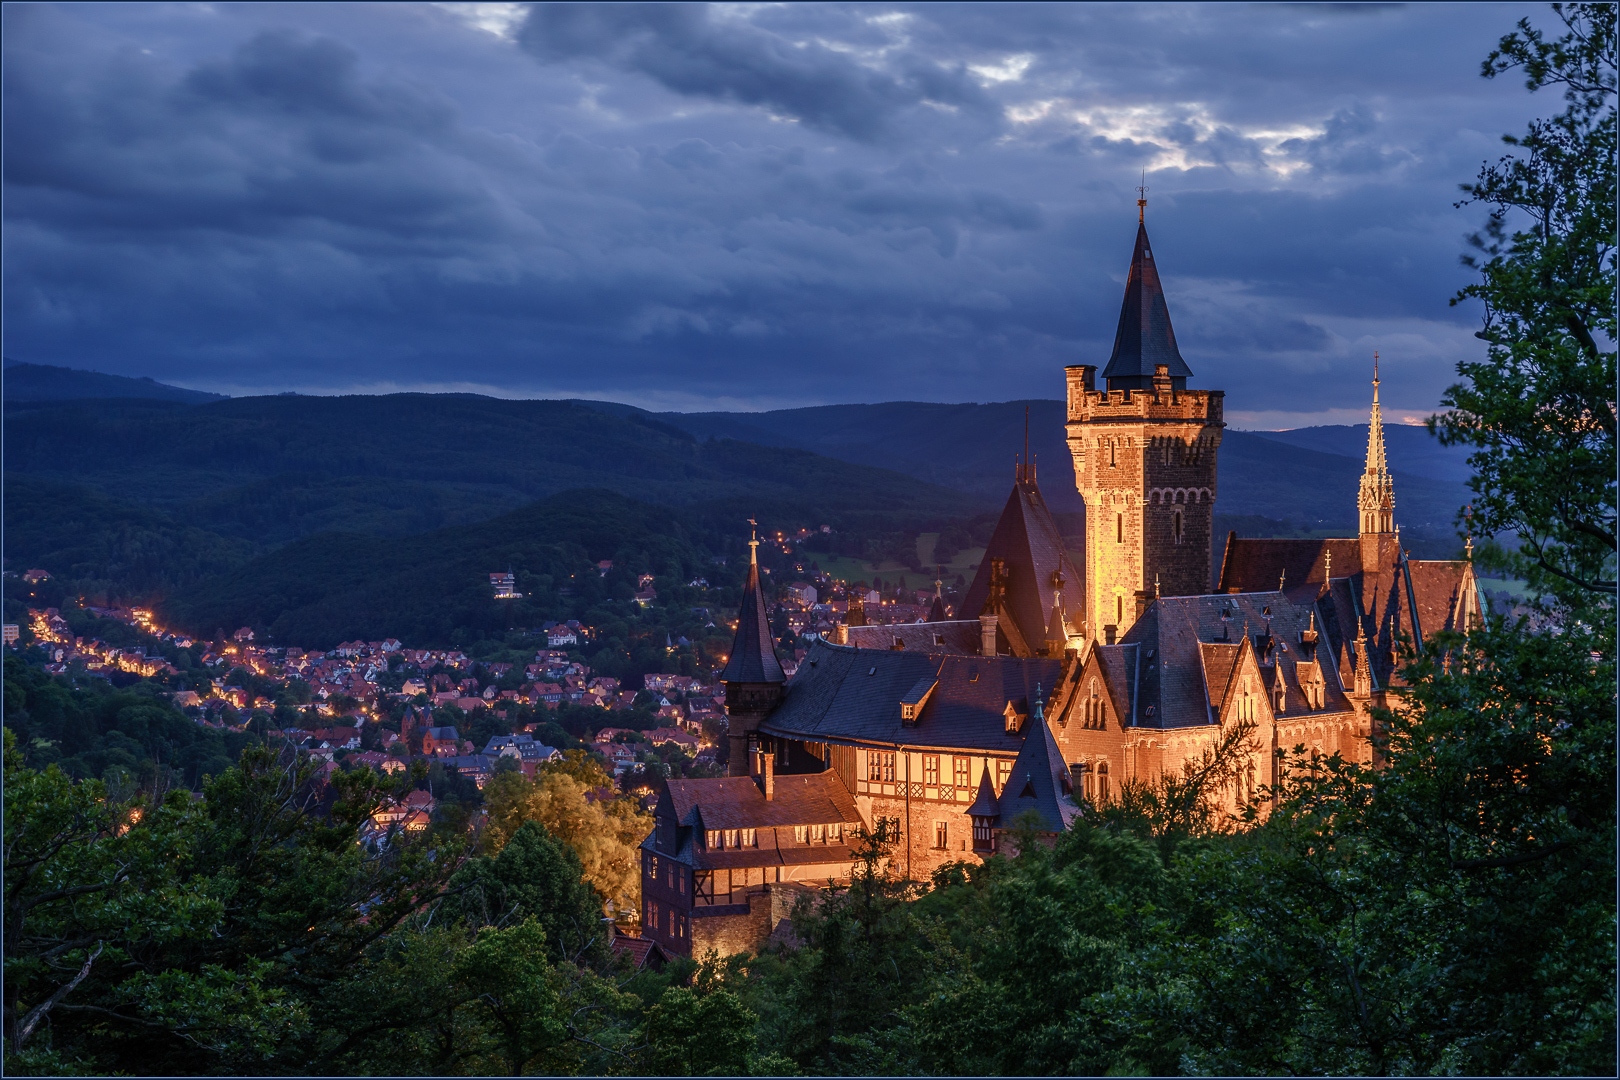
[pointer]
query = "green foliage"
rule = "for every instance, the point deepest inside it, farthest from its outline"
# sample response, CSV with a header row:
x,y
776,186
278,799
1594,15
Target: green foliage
x,y
536,877
1539,408
692,1033
91,729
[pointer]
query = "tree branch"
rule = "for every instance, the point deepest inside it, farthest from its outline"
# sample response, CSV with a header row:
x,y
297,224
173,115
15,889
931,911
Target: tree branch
x,y
33,1018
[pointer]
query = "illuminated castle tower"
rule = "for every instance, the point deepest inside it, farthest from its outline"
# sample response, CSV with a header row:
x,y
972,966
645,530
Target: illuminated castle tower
x,y
1144,460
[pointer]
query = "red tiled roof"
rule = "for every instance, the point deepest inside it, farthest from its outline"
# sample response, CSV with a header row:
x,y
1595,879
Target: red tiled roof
x,y
735,802
1254,565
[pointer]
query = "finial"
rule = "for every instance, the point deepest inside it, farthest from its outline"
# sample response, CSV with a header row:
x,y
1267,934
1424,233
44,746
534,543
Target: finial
x,y
1468,549
1025,475
1141,199
1327,565
1375,373
1282,580
753,542
1155,586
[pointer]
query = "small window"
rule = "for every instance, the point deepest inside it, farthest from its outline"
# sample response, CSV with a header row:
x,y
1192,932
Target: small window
x,y
1102,782
880,766
962,768
835,833
680,882
748,838
1003,771
931,770
801,834
942,835
1119,528
1176,526
1119,609
730,838
818,834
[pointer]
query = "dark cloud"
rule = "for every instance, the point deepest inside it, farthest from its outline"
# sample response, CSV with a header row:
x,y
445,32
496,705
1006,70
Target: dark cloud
x,y
750,206
690,51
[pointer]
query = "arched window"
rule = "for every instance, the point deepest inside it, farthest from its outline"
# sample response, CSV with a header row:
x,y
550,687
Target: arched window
x,y
1094,711
1119,609
1176,529
1102,783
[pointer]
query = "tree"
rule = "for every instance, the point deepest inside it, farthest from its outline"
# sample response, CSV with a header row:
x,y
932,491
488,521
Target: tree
x,y
1540,407
536,877
693,1033
604,832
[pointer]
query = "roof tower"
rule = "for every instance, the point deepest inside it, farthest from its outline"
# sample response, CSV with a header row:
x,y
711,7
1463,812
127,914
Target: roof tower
x,y
1144,338
753,652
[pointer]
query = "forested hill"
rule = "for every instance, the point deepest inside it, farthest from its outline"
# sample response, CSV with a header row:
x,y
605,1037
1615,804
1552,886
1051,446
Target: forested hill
x,y
1309,477
274,468
43,382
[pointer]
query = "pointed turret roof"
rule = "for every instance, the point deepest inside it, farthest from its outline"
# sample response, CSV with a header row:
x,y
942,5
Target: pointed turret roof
x,y
1040,781
1144,338
1030,546
985,806
1376,500
753,652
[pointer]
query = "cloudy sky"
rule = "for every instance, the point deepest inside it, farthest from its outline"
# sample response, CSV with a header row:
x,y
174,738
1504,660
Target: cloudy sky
x,y
746,206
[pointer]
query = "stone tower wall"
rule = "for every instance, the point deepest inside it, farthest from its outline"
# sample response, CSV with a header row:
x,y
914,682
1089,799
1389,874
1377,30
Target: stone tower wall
x,y
1141,457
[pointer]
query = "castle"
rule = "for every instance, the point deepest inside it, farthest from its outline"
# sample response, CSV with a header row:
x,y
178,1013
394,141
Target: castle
x,y
1062,684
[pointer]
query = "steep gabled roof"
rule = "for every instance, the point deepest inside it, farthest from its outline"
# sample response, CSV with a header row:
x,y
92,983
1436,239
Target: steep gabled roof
x,y
1039,780
753,651
1028,542
1144,338
841,694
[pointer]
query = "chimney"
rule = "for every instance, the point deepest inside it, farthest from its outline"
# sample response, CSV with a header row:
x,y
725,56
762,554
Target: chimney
x,y
767,775
987,634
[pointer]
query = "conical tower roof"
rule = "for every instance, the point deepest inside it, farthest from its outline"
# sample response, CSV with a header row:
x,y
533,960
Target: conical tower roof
x,y
1144,338
753,651
1040,781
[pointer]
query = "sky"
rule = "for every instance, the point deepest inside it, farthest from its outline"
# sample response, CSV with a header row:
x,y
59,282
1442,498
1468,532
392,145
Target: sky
x,y
748,206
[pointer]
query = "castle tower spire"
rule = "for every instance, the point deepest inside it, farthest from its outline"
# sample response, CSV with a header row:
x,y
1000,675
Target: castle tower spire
x,y
753,675
1377,498
1144,339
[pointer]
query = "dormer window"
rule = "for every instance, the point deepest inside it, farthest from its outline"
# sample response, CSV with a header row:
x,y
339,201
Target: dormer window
x,y
1013,719
748,838
729,838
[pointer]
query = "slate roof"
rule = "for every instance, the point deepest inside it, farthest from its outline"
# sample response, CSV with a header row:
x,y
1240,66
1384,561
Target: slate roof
x,y
753,650
1181,680
1039,780
959,636
1028,540
1252,565
984,803
1145,337
844,694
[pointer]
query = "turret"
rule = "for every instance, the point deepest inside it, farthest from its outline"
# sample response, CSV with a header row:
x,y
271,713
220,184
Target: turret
x,y
753,676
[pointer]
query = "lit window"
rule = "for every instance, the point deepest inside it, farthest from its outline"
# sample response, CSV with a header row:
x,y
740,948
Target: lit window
x,y
730,838
749,838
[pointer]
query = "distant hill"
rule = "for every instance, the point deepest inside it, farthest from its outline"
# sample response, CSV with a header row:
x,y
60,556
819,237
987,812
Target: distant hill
x,y
276,468
1309,476
42,382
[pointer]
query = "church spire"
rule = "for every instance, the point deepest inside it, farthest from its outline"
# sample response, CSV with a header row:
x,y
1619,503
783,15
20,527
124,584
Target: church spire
x,y
1377,499
1145,338
753,652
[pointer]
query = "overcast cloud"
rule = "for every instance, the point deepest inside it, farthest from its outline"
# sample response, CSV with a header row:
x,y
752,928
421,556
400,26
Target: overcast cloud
x,y
746,206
